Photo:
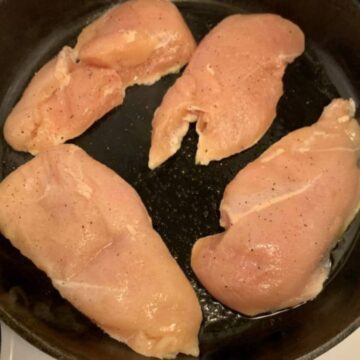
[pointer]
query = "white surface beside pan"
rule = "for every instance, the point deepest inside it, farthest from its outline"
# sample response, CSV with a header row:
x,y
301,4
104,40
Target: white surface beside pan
x,y
13,347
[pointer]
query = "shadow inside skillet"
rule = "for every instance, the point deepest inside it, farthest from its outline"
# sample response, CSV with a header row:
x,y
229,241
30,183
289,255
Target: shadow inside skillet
x,y
182,198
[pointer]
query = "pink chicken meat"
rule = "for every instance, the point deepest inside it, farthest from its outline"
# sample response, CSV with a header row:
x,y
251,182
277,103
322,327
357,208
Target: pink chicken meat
x,y
282,215
88,230
143,40
230,88
136,42
62,101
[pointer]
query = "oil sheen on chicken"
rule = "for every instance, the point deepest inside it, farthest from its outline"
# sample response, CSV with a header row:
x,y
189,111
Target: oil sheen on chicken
x,y
231,88
88,230
136,42
282,215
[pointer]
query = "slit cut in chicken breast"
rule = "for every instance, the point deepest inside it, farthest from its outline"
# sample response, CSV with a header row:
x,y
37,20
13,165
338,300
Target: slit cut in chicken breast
x,y
282,216
231,88
89,231
136,42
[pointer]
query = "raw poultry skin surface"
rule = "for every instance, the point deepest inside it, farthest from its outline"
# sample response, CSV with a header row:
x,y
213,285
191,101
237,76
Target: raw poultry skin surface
x,y
136,42
282,215
88,230
231,88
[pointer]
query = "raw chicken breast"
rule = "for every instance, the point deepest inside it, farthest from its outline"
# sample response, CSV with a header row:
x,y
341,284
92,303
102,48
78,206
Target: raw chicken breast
x,y
143,40
136,42
62,101
88,230
283,214
231,88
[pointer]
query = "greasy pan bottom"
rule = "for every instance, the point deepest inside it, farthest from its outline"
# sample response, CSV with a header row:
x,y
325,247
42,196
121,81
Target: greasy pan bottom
x,y
182,198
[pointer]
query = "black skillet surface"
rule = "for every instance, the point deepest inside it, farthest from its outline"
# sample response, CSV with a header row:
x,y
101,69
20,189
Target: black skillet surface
x,y
182,198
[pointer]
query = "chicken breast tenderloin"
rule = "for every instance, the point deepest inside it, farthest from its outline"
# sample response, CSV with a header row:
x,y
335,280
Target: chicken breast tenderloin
x,y
88,230
136,42
282,215
231,88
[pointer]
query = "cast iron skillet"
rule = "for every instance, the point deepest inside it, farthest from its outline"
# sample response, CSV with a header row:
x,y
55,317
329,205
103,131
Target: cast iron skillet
x,y
182,198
